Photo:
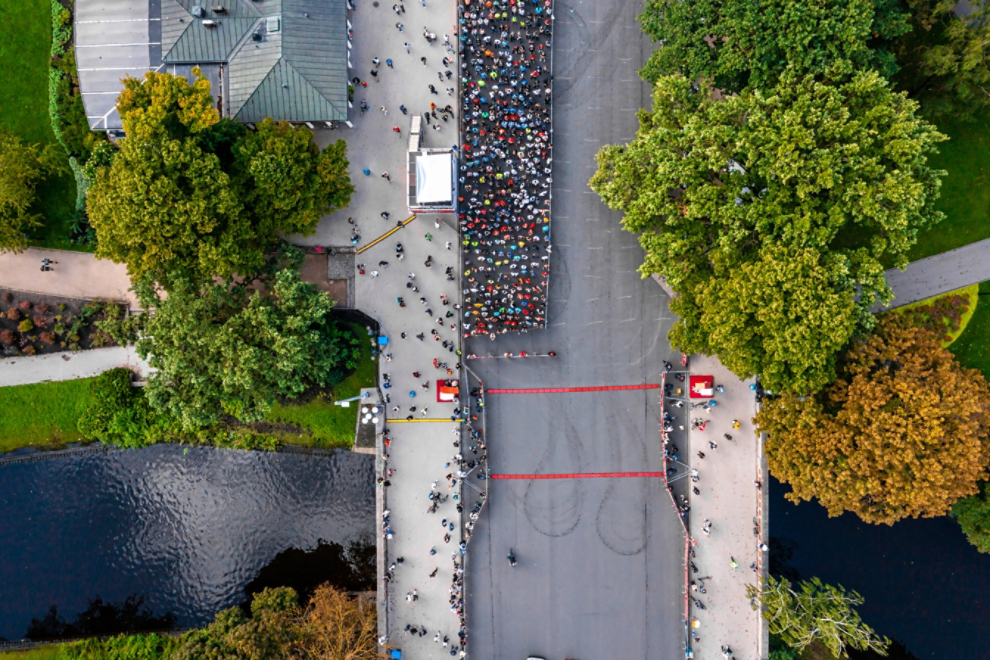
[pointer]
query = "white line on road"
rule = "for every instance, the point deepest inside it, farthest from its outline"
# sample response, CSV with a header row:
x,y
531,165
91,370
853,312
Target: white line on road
x,y
590,299
593,323
622,297
556,324
624,59
597,277
592,220
627,320
563,190
595,248
629,247
627,80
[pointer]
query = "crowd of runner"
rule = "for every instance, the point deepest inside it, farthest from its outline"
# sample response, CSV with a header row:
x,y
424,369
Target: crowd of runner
x,y
506,164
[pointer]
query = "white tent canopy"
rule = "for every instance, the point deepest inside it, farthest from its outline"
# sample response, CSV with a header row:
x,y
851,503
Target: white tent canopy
x,y
434,178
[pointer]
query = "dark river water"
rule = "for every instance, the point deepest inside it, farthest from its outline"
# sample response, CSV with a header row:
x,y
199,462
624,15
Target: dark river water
x,y
924,584
187,529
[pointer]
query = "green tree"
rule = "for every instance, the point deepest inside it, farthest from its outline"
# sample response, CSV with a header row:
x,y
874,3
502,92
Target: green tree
x,y
806,165
946,59
225,348
784,316
119,647
902,433
270,633
119,414
816,611
192,196
740,43
973,515
288,183
22,168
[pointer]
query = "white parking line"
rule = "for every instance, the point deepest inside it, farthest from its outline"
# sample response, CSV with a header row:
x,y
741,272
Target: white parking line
x,y
623,297
590,299
593,323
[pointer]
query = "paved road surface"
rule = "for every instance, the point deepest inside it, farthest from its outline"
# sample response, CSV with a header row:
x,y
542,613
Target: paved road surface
x,y
69,366
600,570
76,275
941,273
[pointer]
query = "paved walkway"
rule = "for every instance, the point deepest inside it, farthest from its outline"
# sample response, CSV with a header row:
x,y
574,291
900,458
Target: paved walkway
x,y
940,273
419,452
730,500
68,366
75,275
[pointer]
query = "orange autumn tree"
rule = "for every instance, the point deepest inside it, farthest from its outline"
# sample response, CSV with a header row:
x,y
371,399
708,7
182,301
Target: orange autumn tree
x,y
902,433
338,627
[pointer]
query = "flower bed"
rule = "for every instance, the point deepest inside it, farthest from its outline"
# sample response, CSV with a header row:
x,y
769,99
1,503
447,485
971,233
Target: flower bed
x,y
38,324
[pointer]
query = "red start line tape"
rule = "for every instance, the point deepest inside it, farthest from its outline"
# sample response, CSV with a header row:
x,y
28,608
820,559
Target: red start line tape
x,y
552,390
584,475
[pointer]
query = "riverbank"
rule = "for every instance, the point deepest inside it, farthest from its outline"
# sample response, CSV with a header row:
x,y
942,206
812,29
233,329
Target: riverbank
x,y
44,416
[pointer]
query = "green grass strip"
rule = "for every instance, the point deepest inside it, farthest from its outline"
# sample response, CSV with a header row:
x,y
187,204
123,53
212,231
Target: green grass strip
x,y
42,414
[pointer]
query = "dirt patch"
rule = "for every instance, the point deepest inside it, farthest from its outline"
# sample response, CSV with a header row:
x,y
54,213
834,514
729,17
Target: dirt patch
x,y
39,324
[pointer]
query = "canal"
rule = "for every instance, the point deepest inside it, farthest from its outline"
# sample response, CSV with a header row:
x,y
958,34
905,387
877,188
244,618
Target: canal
x,y
924,584
185,528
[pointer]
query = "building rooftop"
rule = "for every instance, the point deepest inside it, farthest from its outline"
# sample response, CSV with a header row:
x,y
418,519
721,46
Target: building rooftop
x,y
285,59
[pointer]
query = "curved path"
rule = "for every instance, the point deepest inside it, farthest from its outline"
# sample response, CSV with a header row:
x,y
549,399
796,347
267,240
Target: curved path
x,y
940,273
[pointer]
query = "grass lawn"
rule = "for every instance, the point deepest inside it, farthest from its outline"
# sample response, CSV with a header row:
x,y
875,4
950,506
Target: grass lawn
x,y
973,346
25,43
42,414
41,653
965,196
332,426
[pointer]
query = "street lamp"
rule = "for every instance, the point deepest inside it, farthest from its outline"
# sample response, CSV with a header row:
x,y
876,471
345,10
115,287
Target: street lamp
x,y
346,403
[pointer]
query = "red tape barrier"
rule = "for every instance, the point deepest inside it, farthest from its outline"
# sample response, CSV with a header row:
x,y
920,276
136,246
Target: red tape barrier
x,y
552,390
580,475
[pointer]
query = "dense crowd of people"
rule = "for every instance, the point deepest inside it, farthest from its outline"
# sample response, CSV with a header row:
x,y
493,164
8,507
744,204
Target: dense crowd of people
x,y
506,164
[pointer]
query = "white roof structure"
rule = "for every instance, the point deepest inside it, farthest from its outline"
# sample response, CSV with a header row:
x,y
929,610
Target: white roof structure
x,y
434,178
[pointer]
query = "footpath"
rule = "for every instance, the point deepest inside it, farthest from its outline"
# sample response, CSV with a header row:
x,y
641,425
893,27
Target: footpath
x,y
74,275
420,557
69,366
726,500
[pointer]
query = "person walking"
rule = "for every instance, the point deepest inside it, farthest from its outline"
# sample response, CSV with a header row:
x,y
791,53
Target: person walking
x,y
400,26
389,63
384,111
402,109
386,177
407,48
398,130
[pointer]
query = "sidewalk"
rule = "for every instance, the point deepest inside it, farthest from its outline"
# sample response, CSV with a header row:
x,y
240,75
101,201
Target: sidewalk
x,y
418,452
69,366
75,275
730,500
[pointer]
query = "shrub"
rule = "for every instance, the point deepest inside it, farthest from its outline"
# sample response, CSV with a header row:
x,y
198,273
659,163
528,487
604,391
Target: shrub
x,y
59,328
28,350
13,314
43,308
7,337
8,297
61,307
25,326
40,321
47,337
25,305
119,414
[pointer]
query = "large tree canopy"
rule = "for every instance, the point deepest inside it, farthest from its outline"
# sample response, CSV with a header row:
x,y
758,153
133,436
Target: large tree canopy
x,y
191,195
902,433
225,348
22,168
783,316
805,165
735,43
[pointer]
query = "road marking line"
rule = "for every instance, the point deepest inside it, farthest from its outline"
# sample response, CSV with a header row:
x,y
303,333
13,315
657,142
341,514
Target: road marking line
x,y
595,248
425,419
556,324
565,390
597,277
386,235
590,299
621,297
578,475
593,323
627,321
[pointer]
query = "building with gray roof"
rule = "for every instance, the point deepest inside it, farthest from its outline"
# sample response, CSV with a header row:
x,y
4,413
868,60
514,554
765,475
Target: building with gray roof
x,y
285,59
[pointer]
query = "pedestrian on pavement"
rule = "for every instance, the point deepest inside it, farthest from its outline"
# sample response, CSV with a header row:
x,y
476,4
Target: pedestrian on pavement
x,y
366,171
423,60
732,563
386,177
400,26
384,111
712,444
47,262
398,130
402,109
385,215
407,47
375,61
701,454
389,63
433,90
429,237
448,245
374,273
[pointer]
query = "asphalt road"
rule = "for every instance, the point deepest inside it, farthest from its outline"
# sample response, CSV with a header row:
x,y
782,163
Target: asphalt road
x,y
600,560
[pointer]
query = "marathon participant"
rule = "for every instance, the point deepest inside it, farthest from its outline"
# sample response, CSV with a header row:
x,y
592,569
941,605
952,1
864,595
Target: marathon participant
x,y
505,168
